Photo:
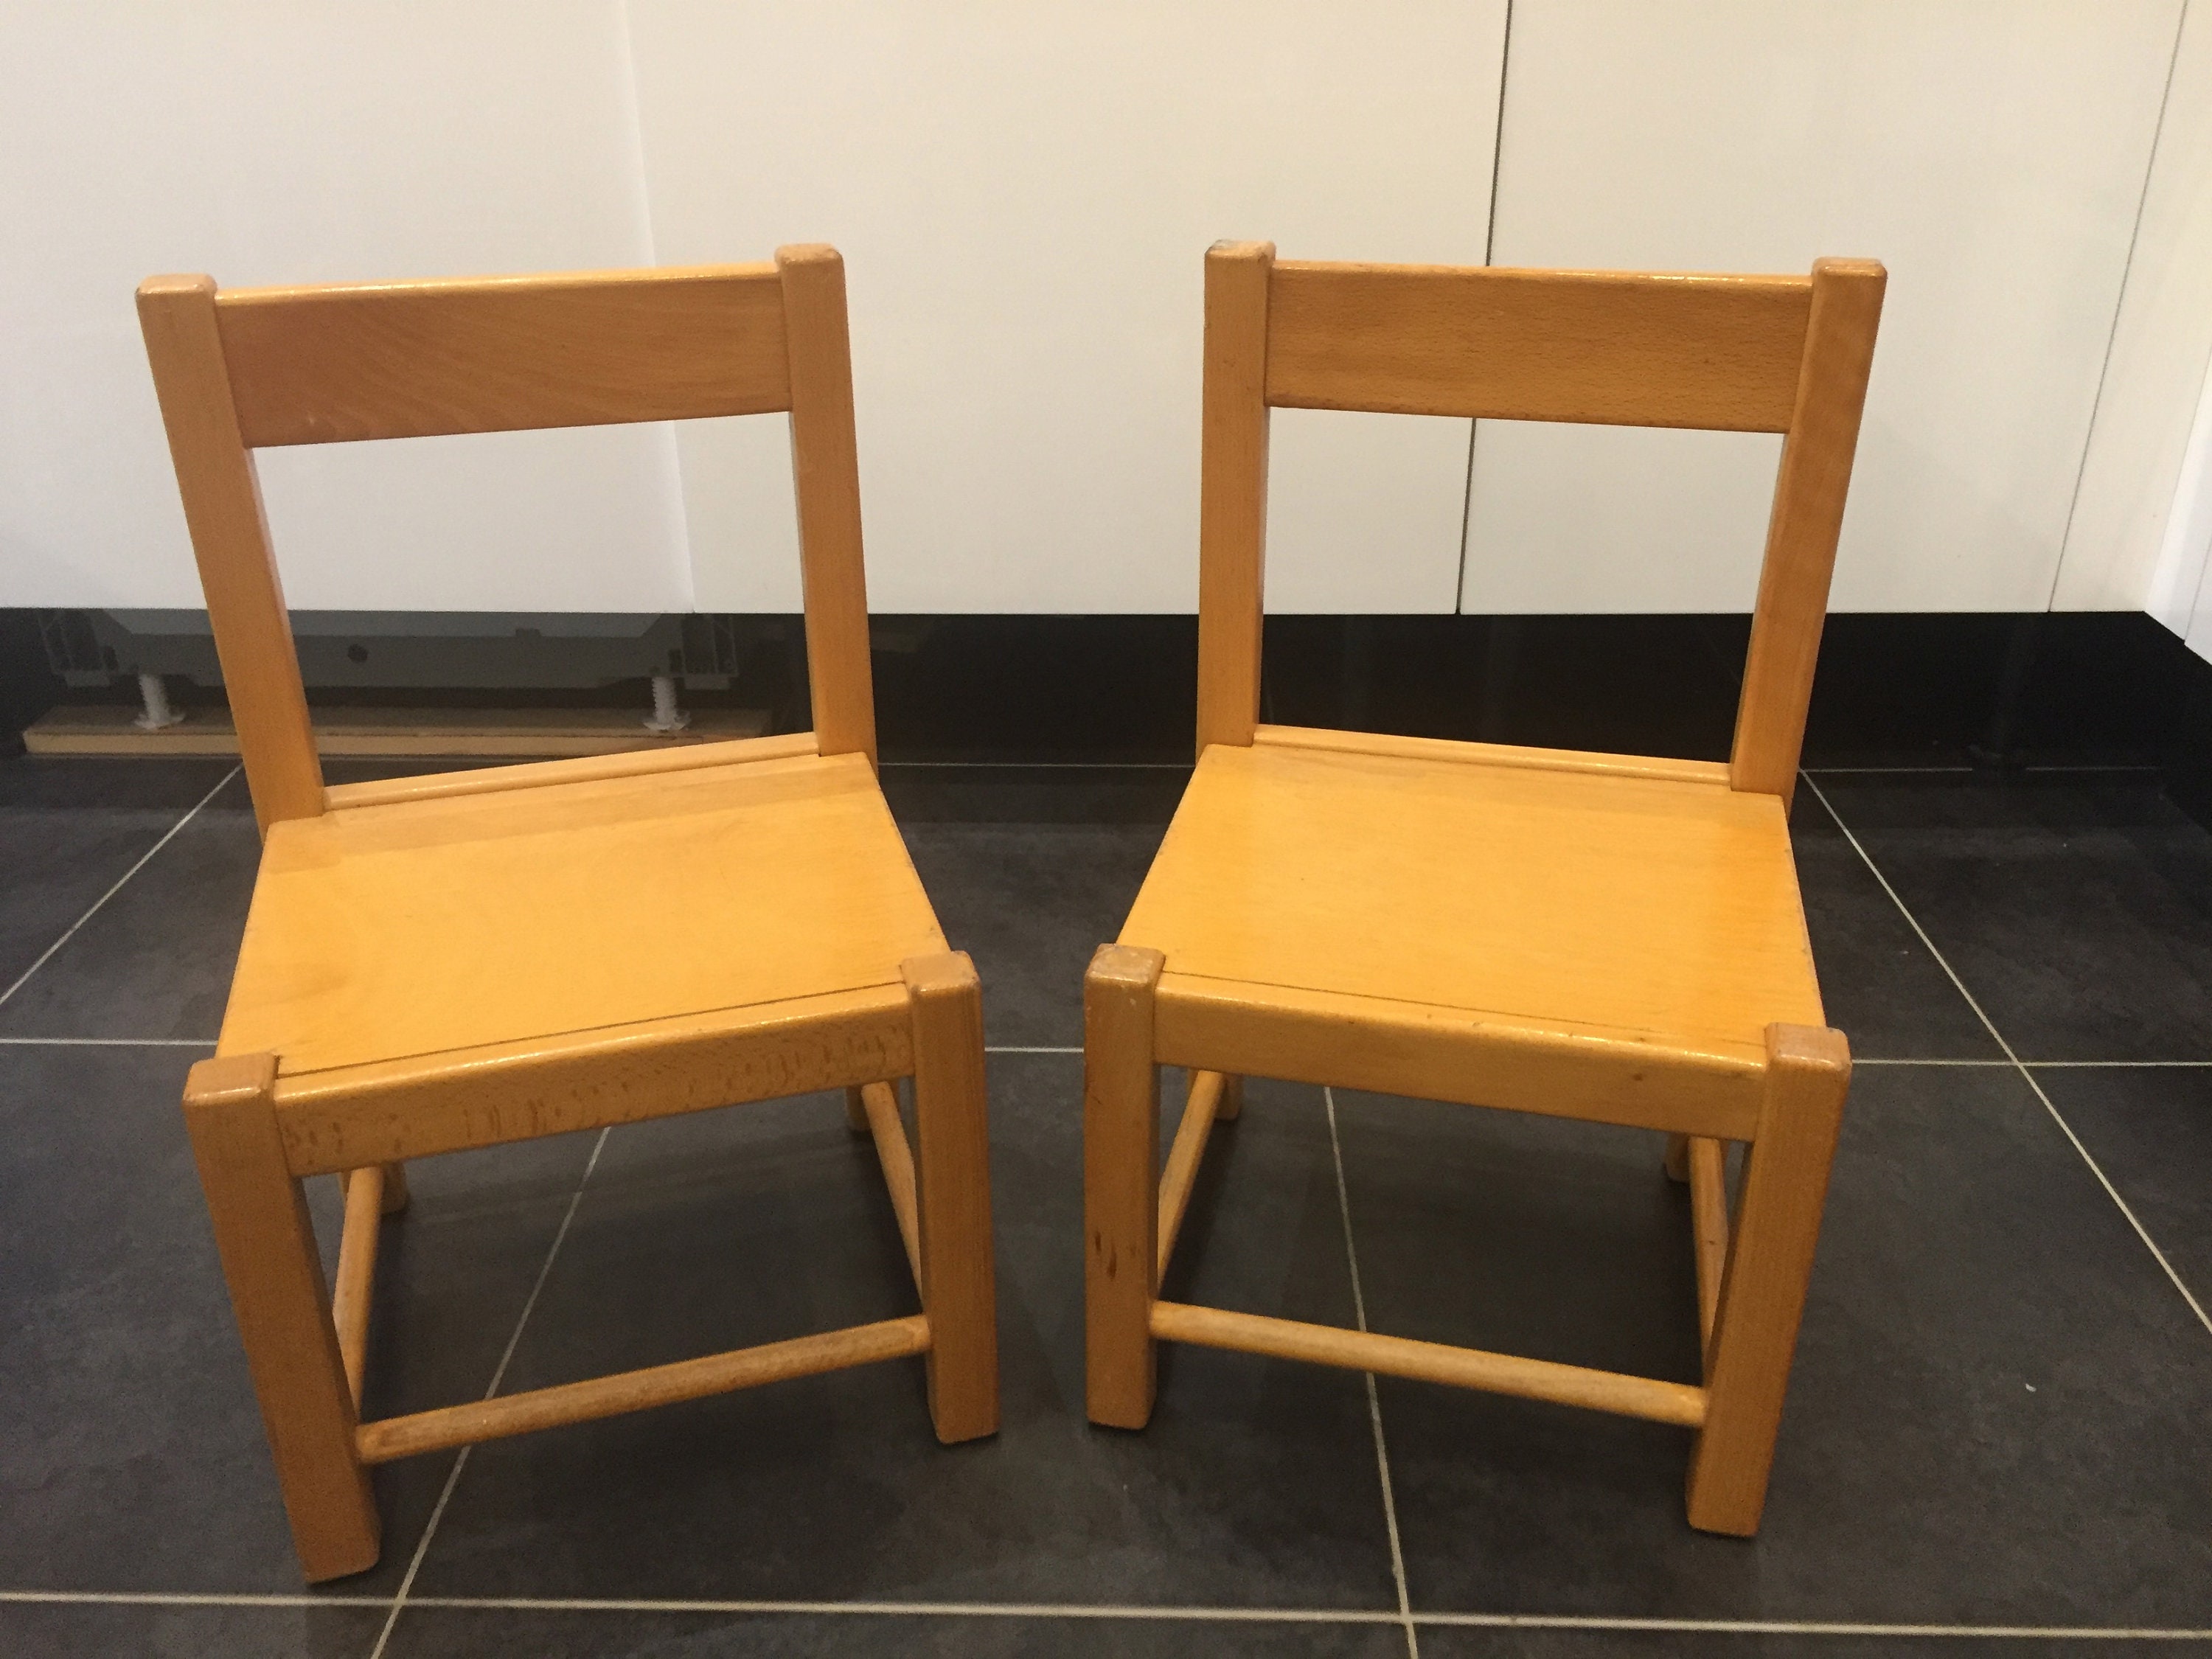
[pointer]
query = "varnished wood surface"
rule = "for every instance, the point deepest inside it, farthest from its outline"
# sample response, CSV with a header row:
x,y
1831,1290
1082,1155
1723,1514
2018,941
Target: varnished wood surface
x,y
1492,754
1649,907
1431,1362
1201,1106
826,481
230,544
952,1177
1558,1069
356,1276
1810,494
355,731
1623,349
450,923
1769,1266
267,1245
331,363
1232,512
879,1111
1121,1195
393,1437
1707,1173
446,1101
530,774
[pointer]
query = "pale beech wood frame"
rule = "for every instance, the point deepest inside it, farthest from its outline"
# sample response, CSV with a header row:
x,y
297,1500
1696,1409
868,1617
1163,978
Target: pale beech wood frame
x,y
1769,354
1754,354
239,370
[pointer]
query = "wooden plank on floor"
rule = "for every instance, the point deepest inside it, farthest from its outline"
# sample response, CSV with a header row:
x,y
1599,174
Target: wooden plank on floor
x,y
414,732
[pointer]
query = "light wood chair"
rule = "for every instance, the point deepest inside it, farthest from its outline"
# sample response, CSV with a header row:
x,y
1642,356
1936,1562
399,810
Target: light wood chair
x,y
1583,935
456,961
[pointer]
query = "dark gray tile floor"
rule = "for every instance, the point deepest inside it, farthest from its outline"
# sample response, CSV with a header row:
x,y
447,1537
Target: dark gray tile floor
x,y
1998,1440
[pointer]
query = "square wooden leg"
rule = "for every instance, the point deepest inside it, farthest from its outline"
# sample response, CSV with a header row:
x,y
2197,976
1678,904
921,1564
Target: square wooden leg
x,y
1770,1264
283,1306
952,1180
1121,1177
395,1188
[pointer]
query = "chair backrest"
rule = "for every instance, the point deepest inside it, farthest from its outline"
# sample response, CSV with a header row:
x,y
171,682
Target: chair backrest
x,y
253,369
1745,354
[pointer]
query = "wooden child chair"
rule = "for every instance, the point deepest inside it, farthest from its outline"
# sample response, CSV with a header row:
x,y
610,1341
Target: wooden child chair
x,y
1583,935
456,961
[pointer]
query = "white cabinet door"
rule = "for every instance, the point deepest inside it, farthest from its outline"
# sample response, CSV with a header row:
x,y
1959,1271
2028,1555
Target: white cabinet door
x,y
288,143
1023,195
1992,153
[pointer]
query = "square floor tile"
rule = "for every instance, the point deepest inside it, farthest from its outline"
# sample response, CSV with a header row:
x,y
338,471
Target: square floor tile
x,y
1880,983
1996,1415
2150,1131
428,1632
2078,910
156,959
134,1457
112,1630
69,829
1256,1483
1446,1642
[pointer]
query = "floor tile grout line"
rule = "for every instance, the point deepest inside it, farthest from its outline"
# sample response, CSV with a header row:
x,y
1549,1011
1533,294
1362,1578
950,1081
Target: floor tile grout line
x,y
1008,1049
2026,1075
106,1043
498,1375
1373,1398
168,836
1109,1611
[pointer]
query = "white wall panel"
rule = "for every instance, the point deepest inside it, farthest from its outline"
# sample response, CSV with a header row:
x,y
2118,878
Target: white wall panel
x,y
1991,152
276,143
2122,551
1023,195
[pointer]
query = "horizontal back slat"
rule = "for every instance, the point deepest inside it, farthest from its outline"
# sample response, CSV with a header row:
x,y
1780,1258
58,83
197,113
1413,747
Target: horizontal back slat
x,y
414,360
1620,349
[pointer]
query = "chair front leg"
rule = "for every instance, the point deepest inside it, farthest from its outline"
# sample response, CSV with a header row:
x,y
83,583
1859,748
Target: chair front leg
x,y
283,1303
1121,1182
1770,1265
959,1287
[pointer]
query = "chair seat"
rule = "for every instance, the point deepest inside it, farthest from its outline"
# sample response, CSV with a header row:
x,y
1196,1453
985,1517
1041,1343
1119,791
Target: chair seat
x,y
420,927
1662,910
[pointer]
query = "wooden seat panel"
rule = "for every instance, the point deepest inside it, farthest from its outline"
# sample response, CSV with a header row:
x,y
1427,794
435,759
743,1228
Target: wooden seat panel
x,y
1664,909
422,926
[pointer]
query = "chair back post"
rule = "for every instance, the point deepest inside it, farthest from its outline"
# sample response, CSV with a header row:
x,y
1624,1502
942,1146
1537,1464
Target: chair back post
x,y
825,471
1232,512
1809,493
230,542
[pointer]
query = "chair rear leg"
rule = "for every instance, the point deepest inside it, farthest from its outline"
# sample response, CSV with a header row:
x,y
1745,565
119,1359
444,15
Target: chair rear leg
x,y
1770,1264
1232,1100
283,1303
395,1188
1121,1183
856,1112
952,1182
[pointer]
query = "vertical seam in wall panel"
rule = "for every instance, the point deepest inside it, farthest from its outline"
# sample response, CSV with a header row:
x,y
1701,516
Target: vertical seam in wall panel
x,y
1498,136
634,107
1489,246
2112,335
